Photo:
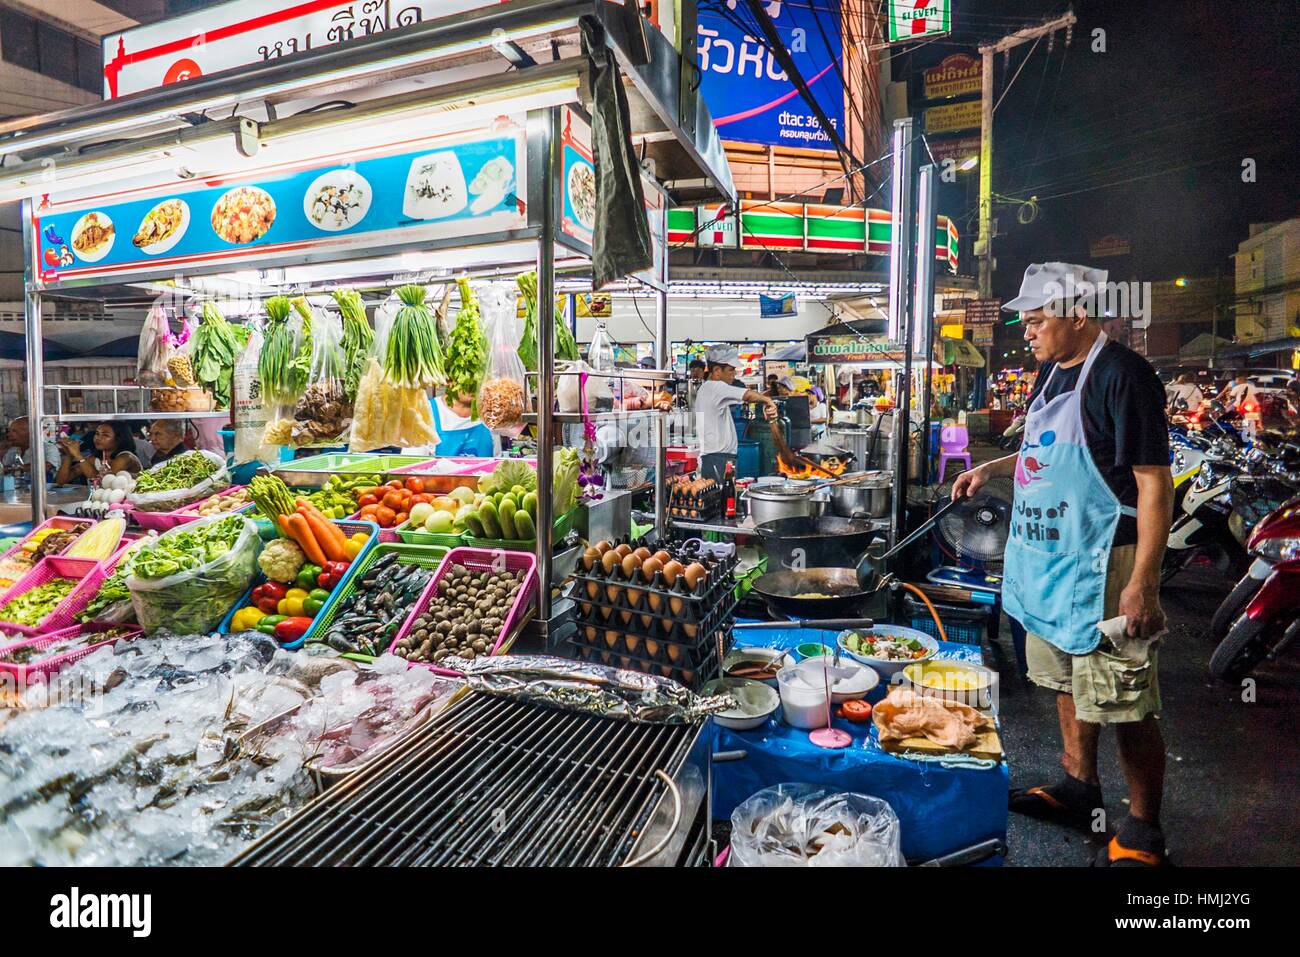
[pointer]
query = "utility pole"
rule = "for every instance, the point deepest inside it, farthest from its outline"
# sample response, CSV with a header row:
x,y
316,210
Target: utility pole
x,y
984,244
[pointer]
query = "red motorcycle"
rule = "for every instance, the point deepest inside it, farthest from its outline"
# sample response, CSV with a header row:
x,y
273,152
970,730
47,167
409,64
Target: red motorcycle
x,y
1261,615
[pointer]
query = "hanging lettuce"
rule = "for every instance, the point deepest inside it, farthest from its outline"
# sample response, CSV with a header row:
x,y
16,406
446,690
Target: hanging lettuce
x,y
357,337
565,488
300,365
215,347
274,363
527,284
466,358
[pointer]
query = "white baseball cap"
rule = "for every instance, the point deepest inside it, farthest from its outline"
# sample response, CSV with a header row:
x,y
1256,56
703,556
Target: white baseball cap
x,y
1049,282
724,356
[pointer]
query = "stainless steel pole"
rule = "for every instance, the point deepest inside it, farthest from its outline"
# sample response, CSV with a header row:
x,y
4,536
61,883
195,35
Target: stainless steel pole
x,y
35,368
660,423
900,286
546,366
923,303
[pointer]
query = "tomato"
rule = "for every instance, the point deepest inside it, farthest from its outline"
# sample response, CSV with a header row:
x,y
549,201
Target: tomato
x,y
856,711
385,516
414,485
424,497
401,518
393,500
367,499
368,512
395,483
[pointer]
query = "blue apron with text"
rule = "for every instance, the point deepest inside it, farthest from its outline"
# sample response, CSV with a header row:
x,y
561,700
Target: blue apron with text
x,y
1063,523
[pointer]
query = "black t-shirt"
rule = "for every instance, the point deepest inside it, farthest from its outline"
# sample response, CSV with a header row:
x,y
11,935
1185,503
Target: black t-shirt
x,y
1123,420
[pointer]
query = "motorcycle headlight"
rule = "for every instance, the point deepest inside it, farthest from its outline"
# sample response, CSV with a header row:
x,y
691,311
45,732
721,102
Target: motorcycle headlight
x,y
1204,478
1279,549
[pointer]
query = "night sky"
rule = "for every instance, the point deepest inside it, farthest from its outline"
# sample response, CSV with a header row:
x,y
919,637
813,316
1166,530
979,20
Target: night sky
x,y
1184,92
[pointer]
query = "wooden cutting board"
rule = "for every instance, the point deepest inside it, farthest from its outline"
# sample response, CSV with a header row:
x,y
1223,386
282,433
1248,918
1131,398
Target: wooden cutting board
x,y
988,745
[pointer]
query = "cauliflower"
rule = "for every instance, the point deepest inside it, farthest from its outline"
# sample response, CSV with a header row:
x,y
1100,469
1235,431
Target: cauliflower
x,y
281,560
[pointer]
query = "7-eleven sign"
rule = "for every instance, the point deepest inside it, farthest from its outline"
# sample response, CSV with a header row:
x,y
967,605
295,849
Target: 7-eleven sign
x,y
914,19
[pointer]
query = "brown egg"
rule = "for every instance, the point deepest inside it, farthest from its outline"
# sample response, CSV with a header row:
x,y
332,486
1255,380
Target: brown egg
x,y
592,633
649,568
646,621
625,662
665,671
612,592
695,573
656,601
676,605
609,561
586,608
603,547
626,616
688,677
643,553
592,589
589,558
635,596
666,624
651,647
604,611
690,630
606,657
630,565
632,642
611,637
674,653
663,556
624,550
672,569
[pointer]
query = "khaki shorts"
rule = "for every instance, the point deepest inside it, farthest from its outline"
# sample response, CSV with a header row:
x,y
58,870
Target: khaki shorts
x,y
1113,684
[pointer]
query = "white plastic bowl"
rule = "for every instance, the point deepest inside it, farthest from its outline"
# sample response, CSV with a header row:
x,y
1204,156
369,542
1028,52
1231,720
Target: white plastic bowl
x,y
888,669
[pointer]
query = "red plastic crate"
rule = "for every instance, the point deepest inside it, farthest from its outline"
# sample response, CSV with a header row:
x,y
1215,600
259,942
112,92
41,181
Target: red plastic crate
x,y
484,560
46,569
25,674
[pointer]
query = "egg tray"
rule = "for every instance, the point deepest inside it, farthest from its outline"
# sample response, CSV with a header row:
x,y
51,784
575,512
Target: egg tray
x,y
720,583
700,507
649,650
693,678
661,626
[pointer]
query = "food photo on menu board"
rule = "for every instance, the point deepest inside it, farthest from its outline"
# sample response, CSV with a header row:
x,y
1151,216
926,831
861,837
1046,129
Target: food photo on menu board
x,y
473,180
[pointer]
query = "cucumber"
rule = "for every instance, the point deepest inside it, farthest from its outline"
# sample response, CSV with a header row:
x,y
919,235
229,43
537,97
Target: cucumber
x,y
525,530
475,526
491,521
529,505
519,491
514,502
507,516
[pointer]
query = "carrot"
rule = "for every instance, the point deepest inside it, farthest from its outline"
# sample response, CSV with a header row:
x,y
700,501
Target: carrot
x,y
302,534
333,531
285,530
327,542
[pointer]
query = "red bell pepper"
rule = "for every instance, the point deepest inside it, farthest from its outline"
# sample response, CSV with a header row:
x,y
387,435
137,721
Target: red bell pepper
x,y
291,629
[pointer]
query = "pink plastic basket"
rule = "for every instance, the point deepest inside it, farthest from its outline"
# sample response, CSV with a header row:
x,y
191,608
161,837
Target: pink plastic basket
x,y
61,522
478,559
25,674
46,569
165,521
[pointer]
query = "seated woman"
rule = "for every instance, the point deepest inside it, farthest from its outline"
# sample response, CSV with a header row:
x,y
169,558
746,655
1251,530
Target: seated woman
x,y
113,450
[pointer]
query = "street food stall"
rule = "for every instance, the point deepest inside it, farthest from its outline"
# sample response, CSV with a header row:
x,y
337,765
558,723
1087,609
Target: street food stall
x,y
361,599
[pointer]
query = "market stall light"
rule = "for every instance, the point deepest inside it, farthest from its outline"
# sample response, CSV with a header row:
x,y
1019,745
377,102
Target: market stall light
x,y
969,164
1180,282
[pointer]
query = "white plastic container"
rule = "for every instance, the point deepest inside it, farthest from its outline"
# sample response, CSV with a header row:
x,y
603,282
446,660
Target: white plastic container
x,y
803,697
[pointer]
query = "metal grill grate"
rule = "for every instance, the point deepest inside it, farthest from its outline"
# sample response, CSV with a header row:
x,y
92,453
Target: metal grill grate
x,y
490,782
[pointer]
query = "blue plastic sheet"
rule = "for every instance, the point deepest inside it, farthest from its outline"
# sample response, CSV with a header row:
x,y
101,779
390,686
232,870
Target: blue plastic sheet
x,y
941,809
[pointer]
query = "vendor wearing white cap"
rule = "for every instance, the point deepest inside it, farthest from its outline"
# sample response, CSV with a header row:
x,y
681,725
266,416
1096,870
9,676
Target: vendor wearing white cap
x,y
713,423
1089,522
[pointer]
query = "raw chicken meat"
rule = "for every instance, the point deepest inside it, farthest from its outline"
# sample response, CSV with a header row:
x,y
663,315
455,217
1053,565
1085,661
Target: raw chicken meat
x,y
906,714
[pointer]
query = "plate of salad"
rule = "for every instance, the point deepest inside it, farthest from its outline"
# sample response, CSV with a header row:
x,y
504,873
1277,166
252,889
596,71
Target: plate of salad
x,y
887,648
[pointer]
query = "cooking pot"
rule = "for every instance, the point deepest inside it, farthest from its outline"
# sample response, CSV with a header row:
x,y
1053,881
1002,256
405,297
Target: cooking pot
x,y
867,497
769,503
807,542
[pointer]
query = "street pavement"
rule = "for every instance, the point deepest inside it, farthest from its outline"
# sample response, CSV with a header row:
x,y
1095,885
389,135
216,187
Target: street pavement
x,y
1232,766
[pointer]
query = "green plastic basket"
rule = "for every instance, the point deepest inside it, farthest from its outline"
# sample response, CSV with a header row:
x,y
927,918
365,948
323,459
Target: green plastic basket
x,y
417,536
563,525
426,556
383,464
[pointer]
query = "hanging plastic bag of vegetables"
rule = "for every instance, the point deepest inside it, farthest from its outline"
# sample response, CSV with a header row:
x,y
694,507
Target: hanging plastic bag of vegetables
x,y
250,407
358,337
466,359
214,347
502,396
281,384
155,349
323,413
386,413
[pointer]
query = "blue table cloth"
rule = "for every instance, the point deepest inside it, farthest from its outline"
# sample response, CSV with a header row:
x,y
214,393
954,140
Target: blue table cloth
x,y
941,808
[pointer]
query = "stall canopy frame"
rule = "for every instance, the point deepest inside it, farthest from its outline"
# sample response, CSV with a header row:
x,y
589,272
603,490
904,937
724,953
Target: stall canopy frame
x,y
670,124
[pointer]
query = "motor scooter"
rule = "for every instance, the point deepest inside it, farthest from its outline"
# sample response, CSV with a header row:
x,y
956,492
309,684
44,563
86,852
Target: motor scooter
x,y
1261,615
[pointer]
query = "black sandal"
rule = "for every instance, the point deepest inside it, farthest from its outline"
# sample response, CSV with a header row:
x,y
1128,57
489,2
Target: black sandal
x,y
1040,803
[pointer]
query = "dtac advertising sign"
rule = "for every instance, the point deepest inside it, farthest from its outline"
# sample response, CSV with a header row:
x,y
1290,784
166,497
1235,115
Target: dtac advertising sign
x,y
751,98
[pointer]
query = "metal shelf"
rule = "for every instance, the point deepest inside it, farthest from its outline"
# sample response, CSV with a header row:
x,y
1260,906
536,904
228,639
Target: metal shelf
x,y
123,416
576,418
